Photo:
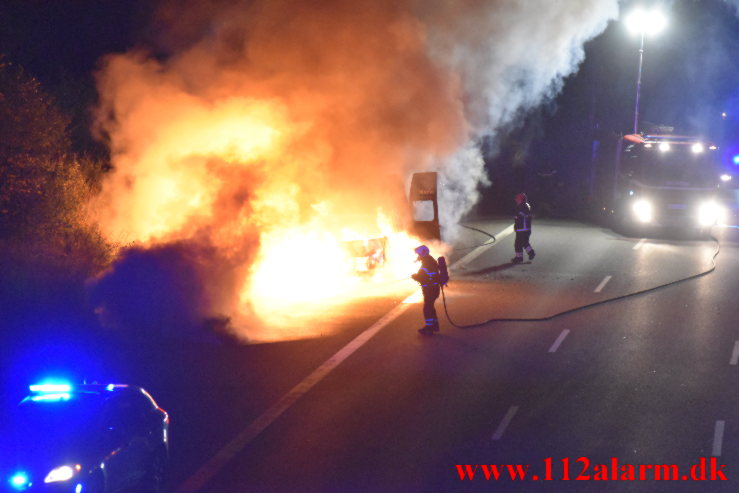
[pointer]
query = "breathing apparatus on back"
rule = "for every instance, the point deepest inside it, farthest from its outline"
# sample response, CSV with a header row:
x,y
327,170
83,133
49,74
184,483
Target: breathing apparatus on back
x,y
443,272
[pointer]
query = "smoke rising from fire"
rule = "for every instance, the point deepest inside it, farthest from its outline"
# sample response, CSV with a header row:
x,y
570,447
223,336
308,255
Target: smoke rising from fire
x,y
735,4
285,119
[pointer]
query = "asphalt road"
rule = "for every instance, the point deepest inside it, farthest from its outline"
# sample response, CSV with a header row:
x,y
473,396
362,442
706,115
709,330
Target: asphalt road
x,y
373,406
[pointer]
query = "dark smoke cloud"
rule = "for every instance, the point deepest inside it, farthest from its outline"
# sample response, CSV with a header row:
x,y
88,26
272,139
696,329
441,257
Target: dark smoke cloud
x,y
173,288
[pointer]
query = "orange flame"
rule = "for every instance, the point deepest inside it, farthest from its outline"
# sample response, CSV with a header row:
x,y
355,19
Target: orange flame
x,y
278,150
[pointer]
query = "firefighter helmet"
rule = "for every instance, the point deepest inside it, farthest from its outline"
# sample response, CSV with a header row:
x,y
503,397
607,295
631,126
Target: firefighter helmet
x,y
521,197
422,251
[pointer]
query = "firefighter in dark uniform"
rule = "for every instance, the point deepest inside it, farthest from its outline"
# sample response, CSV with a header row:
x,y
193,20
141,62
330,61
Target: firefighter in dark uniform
x,y
428,277
522,226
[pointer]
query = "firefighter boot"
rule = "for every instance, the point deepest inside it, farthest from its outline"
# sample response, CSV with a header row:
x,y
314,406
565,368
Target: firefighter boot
x,y
426,330
517,259
532,254
435,326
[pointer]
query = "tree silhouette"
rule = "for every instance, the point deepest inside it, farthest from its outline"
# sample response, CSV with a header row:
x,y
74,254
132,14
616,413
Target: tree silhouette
x,y
43,190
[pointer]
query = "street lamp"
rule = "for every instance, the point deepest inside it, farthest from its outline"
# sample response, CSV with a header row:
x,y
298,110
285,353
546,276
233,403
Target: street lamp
x,y
643,22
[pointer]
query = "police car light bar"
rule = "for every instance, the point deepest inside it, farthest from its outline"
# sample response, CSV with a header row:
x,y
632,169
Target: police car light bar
x,y
112,386
51,387
51,397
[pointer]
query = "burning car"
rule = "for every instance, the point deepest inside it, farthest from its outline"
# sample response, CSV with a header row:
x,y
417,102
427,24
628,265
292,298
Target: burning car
x,y
366,254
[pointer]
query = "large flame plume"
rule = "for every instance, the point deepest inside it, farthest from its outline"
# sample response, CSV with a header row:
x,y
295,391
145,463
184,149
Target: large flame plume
x,y
270,133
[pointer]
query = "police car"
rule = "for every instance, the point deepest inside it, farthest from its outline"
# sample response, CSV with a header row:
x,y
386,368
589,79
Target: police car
x,y
85,439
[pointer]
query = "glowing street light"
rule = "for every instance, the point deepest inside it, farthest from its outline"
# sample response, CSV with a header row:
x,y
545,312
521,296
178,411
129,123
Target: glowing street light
x,y
643,22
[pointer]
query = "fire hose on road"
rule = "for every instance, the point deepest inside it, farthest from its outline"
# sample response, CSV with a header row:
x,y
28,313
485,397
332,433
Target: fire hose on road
x,y
589,305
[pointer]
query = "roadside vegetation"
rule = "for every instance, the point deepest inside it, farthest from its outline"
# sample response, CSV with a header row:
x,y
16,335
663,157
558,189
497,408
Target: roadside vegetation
x,y
48,245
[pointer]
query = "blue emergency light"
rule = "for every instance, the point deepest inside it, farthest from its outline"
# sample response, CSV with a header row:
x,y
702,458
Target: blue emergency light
x,y
19,481
50,392
736,159
45,388
51,397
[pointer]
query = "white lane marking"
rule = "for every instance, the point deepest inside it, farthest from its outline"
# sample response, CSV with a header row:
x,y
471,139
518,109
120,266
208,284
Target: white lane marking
x,y
559,340
735,354
220,459
482,248
638,245
718,438
602,284
504,424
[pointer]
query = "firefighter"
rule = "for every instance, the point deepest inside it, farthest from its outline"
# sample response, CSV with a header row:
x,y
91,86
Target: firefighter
x,y
428,277
522,226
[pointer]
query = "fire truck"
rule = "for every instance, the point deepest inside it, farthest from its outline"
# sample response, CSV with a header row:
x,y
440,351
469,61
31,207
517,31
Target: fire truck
x,y
646,182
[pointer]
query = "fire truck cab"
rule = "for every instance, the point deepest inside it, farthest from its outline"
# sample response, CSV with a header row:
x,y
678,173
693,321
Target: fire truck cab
x,y
660,181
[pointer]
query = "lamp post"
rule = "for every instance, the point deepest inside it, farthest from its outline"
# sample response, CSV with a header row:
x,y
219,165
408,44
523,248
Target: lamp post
x,y
643,22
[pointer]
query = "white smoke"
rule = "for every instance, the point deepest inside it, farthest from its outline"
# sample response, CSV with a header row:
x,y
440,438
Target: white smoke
x,y
461,176
510,56
735,4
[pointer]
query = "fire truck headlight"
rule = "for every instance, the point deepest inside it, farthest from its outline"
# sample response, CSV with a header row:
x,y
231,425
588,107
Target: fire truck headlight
x,y
710,213
726,177
697,148
643,210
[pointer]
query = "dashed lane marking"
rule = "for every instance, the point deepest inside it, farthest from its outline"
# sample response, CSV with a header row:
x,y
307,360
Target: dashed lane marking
x,y
602,284
735,354
718,438
559,340
504,424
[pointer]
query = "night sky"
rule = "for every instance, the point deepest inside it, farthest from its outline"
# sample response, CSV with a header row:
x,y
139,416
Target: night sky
x,y
690,75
